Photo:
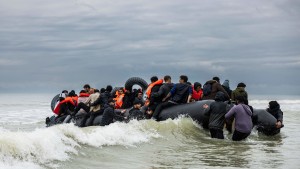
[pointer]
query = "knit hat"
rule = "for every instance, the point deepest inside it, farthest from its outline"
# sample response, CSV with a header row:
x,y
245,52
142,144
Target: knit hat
x,y
241,84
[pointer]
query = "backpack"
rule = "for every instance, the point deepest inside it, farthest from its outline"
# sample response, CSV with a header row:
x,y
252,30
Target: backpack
x,y
207,89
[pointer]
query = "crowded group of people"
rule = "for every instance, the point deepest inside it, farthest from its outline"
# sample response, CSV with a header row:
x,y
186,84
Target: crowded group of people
x,y
161,94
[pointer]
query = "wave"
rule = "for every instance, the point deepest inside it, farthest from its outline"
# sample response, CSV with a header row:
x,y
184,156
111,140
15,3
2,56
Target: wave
x,y
42,147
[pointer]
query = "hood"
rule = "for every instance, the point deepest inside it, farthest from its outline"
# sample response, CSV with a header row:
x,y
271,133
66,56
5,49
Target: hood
x,y
247,109
226,83
220,96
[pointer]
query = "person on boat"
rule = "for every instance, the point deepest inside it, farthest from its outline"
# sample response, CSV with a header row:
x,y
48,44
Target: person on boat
x,y
102,90
165,89
108,114
103,98
82,98
90,108
135,112
274,109
107,93
65,107
140,97
119,98
65,92
153,88
226,86
216,114
128,99
87,88
239,91
211,88
243,119
197,92
180,93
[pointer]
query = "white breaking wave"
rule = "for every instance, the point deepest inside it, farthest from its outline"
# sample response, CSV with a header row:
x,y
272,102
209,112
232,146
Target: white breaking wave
x,y
44,146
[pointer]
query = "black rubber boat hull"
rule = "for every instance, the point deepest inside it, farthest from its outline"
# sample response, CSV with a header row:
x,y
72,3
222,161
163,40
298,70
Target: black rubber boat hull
x,y
262,120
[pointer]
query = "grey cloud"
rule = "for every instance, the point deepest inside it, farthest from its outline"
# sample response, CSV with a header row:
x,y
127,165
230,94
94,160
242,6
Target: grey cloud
x,y
54,45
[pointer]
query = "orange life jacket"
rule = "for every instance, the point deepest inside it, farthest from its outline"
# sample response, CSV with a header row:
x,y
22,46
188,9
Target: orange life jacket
x,y
149,89
72,100
197,95
84,94
119,100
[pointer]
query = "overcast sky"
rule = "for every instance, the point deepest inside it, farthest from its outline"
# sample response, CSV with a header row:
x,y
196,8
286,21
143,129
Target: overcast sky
x,y
50,45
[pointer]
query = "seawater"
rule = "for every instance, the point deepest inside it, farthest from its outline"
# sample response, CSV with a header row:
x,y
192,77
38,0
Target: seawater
x,y
25,142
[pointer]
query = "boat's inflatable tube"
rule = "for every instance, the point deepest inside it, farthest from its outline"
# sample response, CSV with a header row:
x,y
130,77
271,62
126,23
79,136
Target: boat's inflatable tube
x,y
54,101
262,120
136,81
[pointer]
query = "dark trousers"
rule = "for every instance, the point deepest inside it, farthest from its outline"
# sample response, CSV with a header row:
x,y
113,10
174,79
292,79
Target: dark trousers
x,y
216,133
89,118
92,116
238,136
82,106
162,106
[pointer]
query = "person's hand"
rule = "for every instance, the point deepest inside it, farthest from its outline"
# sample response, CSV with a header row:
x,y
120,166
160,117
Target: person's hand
x,y
205,106
123,111
278,124
164,99
149,112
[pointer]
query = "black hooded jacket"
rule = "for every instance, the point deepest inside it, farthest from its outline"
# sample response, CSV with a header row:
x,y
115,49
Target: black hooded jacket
x,y
217,112
277,113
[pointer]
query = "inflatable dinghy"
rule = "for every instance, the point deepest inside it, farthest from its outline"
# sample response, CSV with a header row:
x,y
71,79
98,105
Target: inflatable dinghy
x,y
262,120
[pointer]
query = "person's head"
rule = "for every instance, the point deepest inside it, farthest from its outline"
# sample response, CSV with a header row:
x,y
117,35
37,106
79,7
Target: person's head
x,y
137,104
91,91
102,90
220,96
96,91
183,79
154,79
241,85
274,105
216,79
226,83
241,99
197,86
140,95
121,90
82,91
109,88
62,96
87,87
167,79
65,92
72,93
111,102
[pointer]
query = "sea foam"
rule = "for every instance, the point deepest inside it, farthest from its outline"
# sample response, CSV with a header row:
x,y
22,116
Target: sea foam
x,y
58,143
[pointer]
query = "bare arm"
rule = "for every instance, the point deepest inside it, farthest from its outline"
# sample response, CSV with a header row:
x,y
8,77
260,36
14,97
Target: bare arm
x,y
189,98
